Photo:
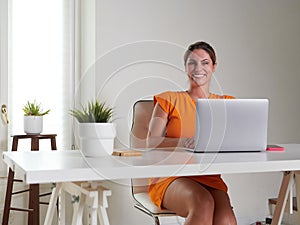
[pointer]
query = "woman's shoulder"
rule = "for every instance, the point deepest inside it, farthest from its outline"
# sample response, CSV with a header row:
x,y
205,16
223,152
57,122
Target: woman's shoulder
x,y
168,95
171,94
216,96
172,97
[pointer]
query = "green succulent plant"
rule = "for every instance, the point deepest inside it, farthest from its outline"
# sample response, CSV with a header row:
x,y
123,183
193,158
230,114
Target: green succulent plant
x,y
94,112
34,109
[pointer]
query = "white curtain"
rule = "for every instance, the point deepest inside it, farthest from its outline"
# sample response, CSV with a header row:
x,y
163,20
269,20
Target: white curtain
x,y
42,65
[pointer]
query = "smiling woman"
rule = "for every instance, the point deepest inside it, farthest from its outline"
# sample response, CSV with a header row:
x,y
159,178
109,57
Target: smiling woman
x,y
41,34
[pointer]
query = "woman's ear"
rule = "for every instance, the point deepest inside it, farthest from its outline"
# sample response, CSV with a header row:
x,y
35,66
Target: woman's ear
x,y
215,66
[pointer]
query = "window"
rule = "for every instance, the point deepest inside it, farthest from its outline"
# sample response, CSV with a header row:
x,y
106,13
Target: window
x,y
41,65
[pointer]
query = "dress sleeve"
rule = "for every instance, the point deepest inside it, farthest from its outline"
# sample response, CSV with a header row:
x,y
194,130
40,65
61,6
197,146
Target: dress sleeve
x,y
165,101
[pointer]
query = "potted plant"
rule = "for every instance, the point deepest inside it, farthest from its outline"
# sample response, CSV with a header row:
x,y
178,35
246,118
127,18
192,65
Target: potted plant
x,y
33,117
96,131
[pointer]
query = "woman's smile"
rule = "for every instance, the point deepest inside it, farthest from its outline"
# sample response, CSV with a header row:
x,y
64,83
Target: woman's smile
x,y
201,76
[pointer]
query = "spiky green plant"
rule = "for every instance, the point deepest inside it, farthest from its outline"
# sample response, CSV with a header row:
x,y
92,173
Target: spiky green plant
x,y
94,112
34,109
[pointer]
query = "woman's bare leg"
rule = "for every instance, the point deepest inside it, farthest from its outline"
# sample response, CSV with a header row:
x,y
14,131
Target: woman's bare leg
x,y
190,199
223,213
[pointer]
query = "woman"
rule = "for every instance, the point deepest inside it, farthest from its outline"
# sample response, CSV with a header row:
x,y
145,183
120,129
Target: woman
x,y
201,199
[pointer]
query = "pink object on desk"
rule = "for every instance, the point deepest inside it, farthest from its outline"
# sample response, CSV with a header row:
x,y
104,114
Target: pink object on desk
x,y
275,148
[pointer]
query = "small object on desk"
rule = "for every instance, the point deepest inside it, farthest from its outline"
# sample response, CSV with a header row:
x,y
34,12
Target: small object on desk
x,y
126,152
275,148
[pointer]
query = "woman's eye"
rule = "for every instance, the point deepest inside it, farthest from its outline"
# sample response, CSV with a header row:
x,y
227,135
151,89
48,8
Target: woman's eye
x,y
191,63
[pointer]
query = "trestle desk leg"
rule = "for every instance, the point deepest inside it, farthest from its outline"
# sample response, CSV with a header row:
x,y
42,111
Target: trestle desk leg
x,y
52,205
297,180
62,207
78,210
92,204
103,193
284,191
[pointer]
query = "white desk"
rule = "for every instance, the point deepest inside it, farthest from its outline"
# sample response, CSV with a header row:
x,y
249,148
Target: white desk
x,y
69,166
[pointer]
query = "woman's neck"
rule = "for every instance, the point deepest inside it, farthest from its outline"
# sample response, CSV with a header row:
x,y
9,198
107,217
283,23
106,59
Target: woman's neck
x,y
199,92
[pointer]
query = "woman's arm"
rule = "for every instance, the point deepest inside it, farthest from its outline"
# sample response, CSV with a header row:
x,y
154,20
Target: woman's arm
x,y
157,127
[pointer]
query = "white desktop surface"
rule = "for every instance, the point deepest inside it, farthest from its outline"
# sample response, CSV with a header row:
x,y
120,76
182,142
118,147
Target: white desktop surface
x,y
67,166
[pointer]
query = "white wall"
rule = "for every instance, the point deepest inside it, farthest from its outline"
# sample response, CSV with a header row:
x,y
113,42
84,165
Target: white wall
x,y
3,94
3,77
139,49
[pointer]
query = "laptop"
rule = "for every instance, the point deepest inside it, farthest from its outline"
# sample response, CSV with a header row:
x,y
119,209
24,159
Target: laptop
x,y
231,125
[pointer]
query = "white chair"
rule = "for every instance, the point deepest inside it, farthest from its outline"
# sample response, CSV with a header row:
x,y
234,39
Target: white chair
x,y
142,112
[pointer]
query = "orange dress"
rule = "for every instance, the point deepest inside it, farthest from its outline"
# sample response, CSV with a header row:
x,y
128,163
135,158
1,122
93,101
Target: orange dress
x,y
181,110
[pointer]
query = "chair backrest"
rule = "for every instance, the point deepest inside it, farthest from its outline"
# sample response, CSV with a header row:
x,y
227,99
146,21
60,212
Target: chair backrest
x,y
142,112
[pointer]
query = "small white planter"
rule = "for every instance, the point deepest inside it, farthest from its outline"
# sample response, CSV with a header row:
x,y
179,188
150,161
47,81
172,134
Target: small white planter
x,y
33,124
97,139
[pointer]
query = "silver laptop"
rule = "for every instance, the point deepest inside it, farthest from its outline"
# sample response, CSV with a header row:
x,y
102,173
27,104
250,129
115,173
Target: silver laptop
x,y
231,125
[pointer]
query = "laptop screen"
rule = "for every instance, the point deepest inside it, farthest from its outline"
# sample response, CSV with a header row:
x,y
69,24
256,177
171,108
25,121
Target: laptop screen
x,y
231,125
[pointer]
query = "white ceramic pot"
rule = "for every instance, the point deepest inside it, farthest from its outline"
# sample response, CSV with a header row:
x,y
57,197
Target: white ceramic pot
x,y
33,124
97,139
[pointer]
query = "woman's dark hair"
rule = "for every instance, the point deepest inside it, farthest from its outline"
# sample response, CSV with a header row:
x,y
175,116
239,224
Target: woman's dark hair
x,y
200,45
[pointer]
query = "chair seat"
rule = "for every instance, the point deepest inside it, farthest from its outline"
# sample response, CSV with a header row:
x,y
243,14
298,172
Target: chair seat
x,y
144,201
142,113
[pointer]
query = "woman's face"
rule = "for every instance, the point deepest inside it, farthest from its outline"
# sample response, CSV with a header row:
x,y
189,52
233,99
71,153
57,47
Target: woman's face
x,y
199,67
